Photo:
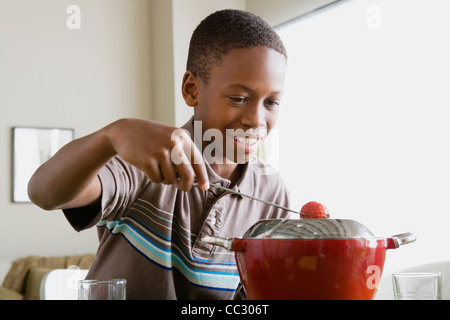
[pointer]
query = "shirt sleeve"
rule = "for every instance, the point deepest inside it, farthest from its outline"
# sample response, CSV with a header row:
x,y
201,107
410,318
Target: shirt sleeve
x,y
121,184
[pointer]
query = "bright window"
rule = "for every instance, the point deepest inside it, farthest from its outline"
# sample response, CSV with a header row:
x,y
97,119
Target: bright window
x,y
365,122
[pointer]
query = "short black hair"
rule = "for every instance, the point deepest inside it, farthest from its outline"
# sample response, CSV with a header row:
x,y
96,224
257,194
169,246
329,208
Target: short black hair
x,y
223,31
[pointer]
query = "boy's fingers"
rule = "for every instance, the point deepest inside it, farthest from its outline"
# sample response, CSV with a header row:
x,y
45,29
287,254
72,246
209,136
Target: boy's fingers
x,y
189,164
198,165
201,177
186,176
152,170
168,171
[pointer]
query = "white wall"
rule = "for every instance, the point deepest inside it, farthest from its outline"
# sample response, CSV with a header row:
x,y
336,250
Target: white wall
x,y
51,76
162,61
278,12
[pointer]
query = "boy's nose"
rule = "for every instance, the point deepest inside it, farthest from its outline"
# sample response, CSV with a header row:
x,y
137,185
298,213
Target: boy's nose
x,y
254,115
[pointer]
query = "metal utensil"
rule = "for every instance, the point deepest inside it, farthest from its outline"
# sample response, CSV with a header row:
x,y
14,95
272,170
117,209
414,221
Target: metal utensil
x,y
218,186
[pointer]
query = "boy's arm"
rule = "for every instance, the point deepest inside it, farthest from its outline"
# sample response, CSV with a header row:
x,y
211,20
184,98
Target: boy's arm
x,y
69,179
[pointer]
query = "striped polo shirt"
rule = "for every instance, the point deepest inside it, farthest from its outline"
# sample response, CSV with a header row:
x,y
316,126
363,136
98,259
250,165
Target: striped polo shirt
x,y
150,233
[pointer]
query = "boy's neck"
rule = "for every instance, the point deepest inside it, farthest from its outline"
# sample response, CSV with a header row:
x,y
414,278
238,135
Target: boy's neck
x,y
231,171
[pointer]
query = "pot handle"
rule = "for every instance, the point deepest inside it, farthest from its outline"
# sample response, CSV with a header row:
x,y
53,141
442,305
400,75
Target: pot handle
x,y
217,241
401,239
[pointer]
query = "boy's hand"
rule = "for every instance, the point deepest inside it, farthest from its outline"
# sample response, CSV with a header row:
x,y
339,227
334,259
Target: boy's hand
x,y
166,154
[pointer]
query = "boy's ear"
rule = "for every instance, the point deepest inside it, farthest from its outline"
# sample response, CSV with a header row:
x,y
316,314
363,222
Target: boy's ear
x,y
190,88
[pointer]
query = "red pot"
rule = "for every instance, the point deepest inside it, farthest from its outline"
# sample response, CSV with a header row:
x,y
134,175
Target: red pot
x,y
310,259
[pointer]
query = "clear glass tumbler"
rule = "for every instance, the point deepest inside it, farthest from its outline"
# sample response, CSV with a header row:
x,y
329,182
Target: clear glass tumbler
x,y
417,285
110,289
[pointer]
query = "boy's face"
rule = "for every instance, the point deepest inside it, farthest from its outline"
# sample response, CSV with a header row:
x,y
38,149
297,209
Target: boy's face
x,y
241,100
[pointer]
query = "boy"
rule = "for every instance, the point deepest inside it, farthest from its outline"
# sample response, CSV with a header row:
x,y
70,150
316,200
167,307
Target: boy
x,y
147,190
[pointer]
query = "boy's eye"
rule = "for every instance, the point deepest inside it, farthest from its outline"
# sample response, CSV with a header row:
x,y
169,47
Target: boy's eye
x,y
272,103
238,99
243,100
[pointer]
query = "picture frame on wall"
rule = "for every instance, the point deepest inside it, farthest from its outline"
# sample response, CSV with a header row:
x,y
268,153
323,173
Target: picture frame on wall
x,y
31,147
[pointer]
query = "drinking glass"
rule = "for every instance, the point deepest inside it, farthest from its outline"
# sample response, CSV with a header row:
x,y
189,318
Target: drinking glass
x,y
417,285
111,289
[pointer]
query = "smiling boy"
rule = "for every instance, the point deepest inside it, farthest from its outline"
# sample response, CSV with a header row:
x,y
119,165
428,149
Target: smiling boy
x,y
151,210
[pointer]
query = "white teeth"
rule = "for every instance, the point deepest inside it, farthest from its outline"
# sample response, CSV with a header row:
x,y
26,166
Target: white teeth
x,y
246,140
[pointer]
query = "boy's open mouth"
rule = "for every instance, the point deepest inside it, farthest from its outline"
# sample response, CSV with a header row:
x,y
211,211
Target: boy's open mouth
x,y
247,140
246,145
